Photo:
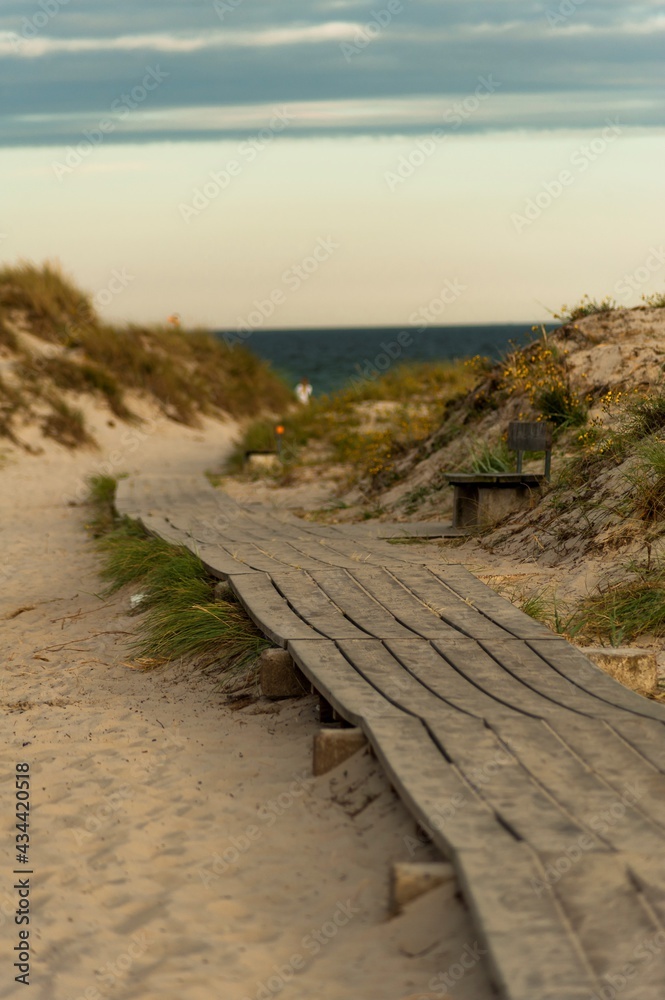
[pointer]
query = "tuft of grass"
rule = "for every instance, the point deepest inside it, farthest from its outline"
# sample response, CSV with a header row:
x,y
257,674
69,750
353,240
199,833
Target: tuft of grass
x,y
101,497
179,616
585,307
65,424
647,477
561,406
44,296
492,458
622,611
645,414
654,301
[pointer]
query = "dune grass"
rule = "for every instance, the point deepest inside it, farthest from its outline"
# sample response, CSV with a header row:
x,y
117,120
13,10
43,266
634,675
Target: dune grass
x,y
187,373
621,611
179,616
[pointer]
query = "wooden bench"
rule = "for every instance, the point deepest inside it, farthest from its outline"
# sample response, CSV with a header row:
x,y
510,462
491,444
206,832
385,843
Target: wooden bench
x,y
481,499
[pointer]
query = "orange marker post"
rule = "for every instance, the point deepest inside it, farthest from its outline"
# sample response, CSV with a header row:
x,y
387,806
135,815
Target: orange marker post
x,y
279,431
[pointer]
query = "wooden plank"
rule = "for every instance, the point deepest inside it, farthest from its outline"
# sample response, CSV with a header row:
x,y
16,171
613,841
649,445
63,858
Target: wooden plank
x,y
432,789
402,604
517,658
220,563
532,950
520,660
268,609
447,604
612,814
357,605
578,669
431,664
497,775
340,684
594,741
592,893
316,549
311,604
491,604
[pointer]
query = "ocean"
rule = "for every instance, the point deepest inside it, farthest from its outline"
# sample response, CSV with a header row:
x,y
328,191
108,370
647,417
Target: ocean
x,y
329,358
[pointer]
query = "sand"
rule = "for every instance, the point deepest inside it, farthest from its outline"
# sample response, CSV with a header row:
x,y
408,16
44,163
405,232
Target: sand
x,y
180,848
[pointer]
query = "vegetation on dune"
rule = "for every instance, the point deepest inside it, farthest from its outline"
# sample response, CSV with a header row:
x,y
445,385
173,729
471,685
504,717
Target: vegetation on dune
x,y
344,428
186,373
585,307
178,613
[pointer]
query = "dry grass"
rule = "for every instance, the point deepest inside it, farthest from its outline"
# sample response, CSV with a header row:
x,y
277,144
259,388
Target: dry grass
x,y
187,373
65,424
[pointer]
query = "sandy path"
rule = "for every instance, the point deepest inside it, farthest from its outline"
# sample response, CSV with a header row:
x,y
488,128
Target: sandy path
x,y
180,849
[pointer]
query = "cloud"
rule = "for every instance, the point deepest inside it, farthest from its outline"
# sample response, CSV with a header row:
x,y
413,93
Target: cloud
x,y
62,72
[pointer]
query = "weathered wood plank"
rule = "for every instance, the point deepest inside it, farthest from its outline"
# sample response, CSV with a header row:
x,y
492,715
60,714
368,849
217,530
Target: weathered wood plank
x,y
268,609
572,664
592,893
533,951
517,658
402,604
310,603
491,604
616,762
495,773
357,605
448,605
343,687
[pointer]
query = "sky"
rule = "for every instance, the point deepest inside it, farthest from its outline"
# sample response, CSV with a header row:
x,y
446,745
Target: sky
x,y
297,163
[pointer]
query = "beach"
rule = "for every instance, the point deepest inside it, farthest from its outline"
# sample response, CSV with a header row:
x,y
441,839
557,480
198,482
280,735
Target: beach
x,y
179,847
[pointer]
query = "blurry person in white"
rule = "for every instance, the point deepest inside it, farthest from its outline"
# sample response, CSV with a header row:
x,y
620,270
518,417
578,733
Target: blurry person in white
x,y
303,391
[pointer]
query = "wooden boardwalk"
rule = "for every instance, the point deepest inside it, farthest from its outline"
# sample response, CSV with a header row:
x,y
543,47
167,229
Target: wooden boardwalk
x,y
540,778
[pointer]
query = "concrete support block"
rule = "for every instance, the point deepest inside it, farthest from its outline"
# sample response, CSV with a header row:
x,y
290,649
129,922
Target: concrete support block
x,y
334,746
222,591
257,461
634,668
410,880
279,677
